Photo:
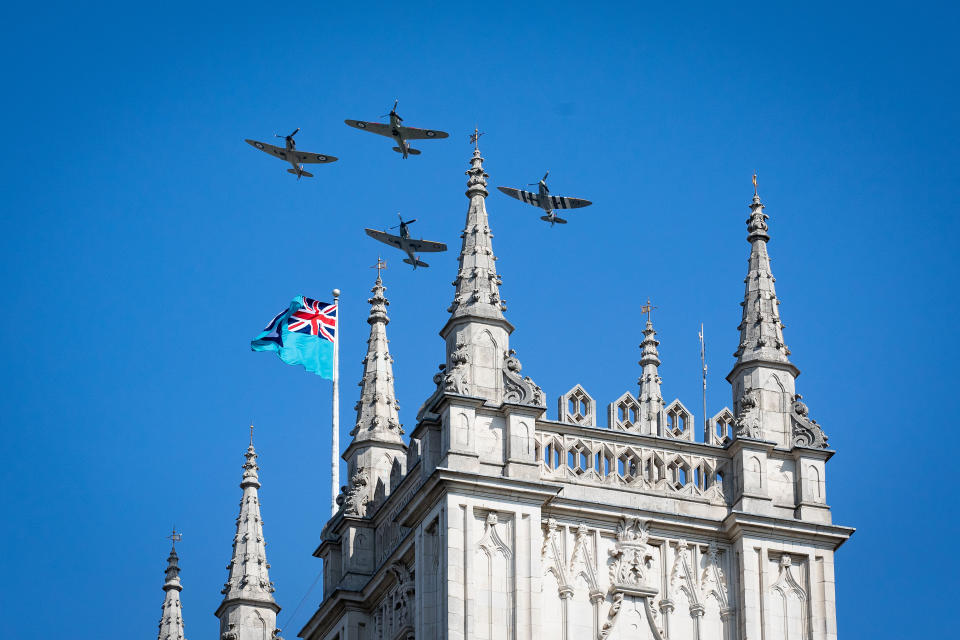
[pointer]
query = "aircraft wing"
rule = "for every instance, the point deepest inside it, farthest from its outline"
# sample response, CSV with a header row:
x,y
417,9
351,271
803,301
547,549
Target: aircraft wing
x,y
412,133
312,158
386,238
521,195
373,127
562,202
425,246
279,152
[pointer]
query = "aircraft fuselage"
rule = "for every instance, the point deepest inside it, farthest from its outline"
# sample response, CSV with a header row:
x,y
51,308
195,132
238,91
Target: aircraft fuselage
x,y
396,135
291,145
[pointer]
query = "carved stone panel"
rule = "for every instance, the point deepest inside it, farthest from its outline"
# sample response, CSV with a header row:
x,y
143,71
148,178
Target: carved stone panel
x,y
578,407
623,413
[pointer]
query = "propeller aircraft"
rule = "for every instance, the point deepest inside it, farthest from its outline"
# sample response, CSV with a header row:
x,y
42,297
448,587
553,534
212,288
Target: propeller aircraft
x,y
398,132
405,243
545,201
289,153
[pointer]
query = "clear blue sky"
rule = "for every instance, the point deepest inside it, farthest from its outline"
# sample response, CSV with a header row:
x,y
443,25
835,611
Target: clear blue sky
x,y
144,245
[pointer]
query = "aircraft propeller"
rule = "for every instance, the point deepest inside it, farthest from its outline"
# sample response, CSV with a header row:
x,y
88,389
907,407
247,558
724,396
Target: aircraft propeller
x,y
543,179
402,223
393,112
295,131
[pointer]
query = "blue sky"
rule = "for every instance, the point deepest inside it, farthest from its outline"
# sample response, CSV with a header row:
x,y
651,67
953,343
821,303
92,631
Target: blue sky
x,y
145,244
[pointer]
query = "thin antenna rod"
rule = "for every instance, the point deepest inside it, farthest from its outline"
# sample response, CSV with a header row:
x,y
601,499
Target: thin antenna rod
x,y
703,364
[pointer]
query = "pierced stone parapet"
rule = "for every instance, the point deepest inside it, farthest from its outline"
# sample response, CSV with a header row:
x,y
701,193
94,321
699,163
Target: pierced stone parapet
x,y
722,428
679,423
606,462
578,407
623,414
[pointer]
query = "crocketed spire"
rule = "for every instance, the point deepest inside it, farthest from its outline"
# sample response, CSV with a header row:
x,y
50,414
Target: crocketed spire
x,y
651,402
480,362
377,455
377,417
477,283
171,618
761,332
763,379
249,579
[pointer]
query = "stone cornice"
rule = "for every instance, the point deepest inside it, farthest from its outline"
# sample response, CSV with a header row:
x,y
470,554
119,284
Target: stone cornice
x,y
443,479
246,601
738,524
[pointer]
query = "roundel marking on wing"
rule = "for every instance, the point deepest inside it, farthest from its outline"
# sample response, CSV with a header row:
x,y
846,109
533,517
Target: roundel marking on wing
x,y
322,158
258,145
430,134
362,125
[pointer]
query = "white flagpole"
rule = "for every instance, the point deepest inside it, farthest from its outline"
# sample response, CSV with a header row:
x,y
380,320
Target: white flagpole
x,y
335,440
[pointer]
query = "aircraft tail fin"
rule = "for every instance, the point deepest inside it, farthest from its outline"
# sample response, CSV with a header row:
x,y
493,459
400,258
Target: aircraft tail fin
x,y
305,174
410,150
417,263
553,219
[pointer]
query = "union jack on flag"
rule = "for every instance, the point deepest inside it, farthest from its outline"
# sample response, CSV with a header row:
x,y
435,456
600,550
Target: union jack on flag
x,y
314,318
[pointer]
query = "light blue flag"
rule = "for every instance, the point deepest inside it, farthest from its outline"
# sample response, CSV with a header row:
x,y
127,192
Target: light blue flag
x,y
303,334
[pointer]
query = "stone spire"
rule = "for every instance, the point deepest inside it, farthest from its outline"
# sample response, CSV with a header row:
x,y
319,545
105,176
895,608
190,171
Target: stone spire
x,y
479,360
377,417
248,609
377,441
761,332
171,618
763,378
651,401
477,283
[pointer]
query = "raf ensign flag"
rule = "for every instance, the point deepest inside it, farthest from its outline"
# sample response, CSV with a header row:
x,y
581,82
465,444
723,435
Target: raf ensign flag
x,y
303,334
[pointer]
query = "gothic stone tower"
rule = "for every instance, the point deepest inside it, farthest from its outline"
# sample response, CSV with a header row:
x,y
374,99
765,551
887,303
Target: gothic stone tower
x,y
498,523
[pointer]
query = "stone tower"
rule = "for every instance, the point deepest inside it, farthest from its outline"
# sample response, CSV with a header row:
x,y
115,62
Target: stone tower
x,y
248,610
171,618
507,525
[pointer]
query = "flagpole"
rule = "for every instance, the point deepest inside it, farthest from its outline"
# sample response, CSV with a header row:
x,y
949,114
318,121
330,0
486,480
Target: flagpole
x,y
335,440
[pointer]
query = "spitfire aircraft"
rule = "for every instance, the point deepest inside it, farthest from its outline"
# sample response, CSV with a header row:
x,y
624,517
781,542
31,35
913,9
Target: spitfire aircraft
x,y
398,132
545,201
407,244
290,154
